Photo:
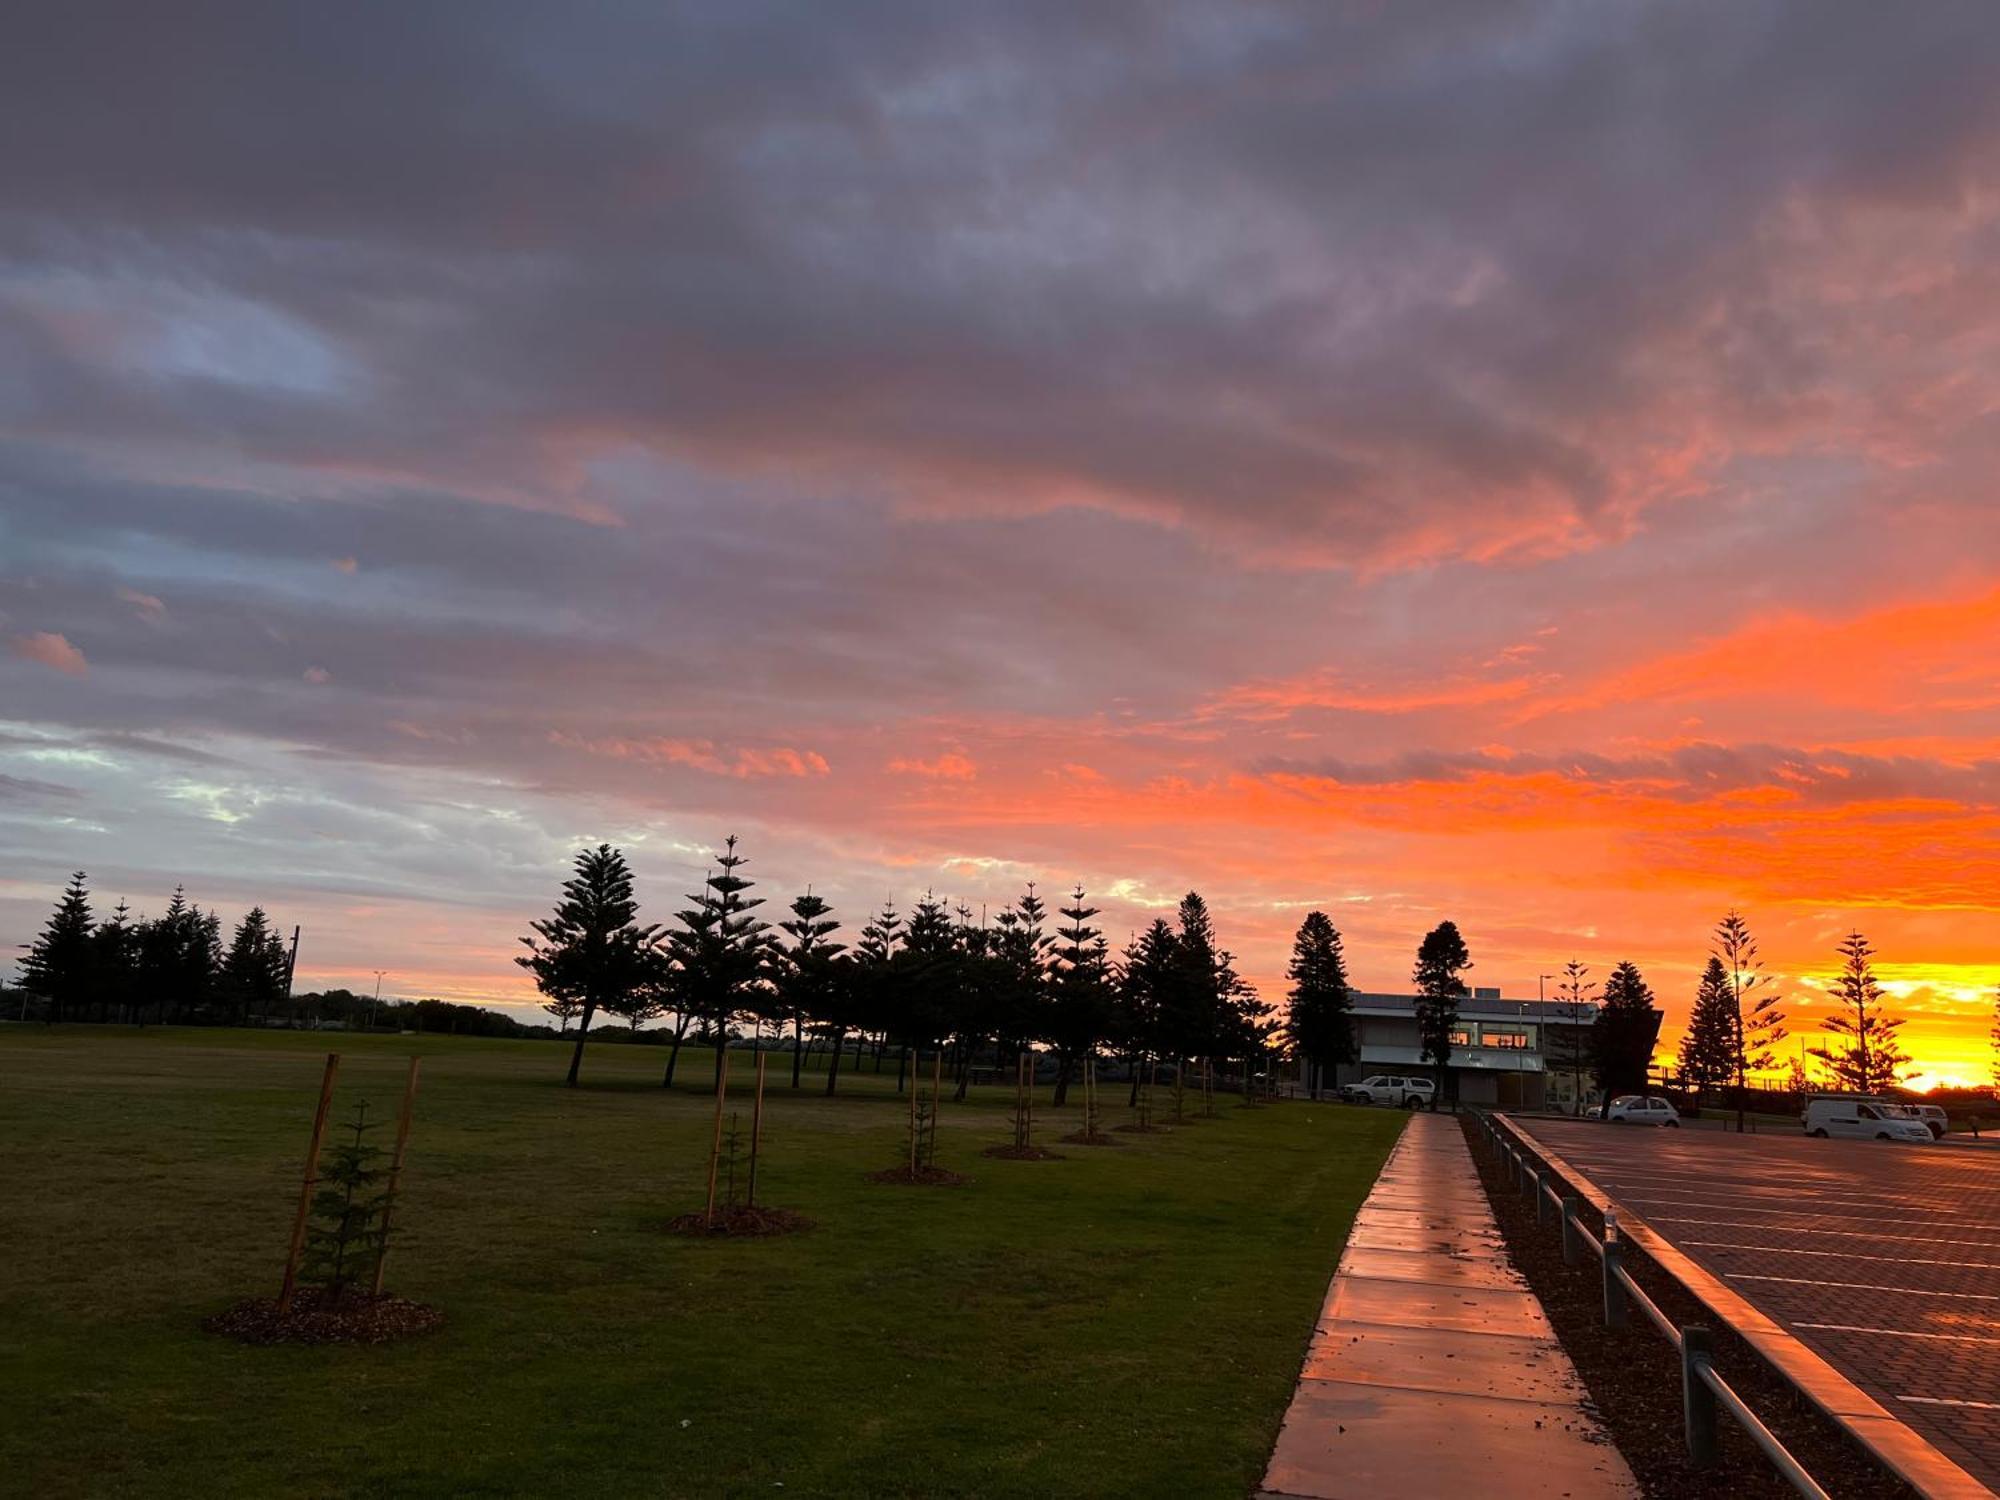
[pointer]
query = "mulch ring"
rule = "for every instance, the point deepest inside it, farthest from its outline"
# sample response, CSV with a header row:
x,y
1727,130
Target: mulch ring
x,y
739,1223
1135,1128
1634,1375
317,1319
921,1177
1088,1138
1021,1153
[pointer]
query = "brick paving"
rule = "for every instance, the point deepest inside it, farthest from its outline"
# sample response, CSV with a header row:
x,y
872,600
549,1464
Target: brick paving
x,y
1882,1258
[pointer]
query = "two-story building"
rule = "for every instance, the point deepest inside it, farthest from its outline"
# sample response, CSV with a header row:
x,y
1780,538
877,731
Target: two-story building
x,y
1514,1054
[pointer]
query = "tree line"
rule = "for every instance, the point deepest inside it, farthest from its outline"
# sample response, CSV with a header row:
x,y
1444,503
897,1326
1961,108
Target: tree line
x,y
1736,1024
173,967
934,978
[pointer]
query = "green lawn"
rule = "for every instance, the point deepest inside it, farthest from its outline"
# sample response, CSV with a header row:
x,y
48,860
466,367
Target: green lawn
x,y
1126,1321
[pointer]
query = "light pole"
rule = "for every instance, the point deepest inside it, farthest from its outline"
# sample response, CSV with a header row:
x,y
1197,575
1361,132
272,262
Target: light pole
x,y
376,1004
1542,1020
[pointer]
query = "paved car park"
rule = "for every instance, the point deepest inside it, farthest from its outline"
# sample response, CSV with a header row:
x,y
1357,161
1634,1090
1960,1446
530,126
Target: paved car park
x,y
1882,1258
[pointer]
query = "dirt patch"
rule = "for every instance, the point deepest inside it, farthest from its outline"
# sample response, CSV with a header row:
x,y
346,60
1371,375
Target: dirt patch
x,y
1090,1138
1021,1153
1634,1375
739,1224
922,1177
1137,1129
318,1319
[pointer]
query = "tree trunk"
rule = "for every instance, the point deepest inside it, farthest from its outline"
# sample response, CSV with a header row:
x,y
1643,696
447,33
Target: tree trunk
x,y
833,1061
1137,1061
1062,1081
798,1046
902,1066
582,1031
673,1056
721,1052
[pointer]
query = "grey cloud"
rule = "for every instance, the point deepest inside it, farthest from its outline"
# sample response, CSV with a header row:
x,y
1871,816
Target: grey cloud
x,y
1201,266
1690,773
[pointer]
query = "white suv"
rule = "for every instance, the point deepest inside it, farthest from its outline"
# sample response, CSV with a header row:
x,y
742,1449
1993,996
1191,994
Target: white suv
x,y
1384,1088
1642,1109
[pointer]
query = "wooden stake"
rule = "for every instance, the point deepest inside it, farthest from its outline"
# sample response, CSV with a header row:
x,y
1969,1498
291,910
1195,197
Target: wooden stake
x,y
937,1096
715,1145
756,1135
395,1173
913,1124
306,1186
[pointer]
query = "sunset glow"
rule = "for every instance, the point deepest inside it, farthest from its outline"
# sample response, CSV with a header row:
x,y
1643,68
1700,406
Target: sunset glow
x,y
1268,451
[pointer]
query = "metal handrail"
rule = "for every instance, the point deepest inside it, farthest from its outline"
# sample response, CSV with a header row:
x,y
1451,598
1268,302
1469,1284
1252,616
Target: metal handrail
x,y
1701,1386
1780,1456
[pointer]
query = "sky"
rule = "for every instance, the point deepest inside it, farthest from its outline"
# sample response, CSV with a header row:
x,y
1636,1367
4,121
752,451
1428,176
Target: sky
x,y
1530,464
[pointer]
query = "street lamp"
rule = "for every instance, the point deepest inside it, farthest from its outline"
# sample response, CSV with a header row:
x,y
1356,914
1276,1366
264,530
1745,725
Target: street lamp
x,y
1542,1020
376,1004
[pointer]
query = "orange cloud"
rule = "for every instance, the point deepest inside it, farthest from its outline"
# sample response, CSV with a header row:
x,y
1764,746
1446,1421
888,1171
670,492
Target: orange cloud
x,y
953,765
702,755
1937,655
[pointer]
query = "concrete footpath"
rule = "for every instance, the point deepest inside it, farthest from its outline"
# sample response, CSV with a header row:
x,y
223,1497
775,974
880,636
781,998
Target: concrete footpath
x,y
1433,1370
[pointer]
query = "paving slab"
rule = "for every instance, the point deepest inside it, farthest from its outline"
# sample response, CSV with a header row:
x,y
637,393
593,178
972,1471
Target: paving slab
x,y
1429,1265
1344,1440
1433,1369
1444,1359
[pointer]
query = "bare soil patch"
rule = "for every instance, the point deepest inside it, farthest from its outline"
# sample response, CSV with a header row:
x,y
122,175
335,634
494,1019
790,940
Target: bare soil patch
x,y
922,1177
1087,1138
1021,1153
318,1319
740,1224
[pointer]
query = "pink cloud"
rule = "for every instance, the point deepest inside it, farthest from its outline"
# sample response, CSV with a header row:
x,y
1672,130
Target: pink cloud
x,y
148,607
51,650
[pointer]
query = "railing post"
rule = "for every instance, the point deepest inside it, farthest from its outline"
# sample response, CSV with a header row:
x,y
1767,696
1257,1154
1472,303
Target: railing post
x,y
1572,1251
1530,1175
1616,1308
1697,1400
1541,1199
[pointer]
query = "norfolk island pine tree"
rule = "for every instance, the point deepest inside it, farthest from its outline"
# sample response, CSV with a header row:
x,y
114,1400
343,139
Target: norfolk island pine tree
x,y
592,948
1441,957
1320,1023
1861,1046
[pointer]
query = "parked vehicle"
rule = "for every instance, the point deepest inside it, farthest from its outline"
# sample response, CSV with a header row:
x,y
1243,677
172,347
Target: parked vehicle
x,y
1932,1116
1642,1109
1855,1117
1386,1088
1595,1112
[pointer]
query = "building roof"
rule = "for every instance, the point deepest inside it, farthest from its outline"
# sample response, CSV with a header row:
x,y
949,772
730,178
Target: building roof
x,y
1480,1005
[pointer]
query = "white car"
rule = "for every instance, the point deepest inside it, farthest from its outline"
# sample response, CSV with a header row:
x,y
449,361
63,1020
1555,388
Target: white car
x,y
1385,1088
1862,1119
1931,1116
1642,1109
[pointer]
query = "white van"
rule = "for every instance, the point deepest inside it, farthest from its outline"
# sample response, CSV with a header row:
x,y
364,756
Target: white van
x,y
1858,1118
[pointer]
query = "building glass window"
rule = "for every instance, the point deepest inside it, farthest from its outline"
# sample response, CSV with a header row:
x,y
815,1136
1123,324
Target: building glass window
x,y
1515,1040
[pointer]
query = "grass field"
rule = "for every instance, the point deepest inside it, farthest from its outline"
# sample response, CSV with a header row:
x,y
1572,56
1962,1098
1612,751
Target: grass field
x,y
1126,1321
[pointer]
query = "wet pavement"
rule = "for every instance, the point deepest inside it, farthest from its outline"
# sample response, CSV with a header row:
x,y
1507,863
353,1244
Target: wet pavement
x,y
1433,1370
